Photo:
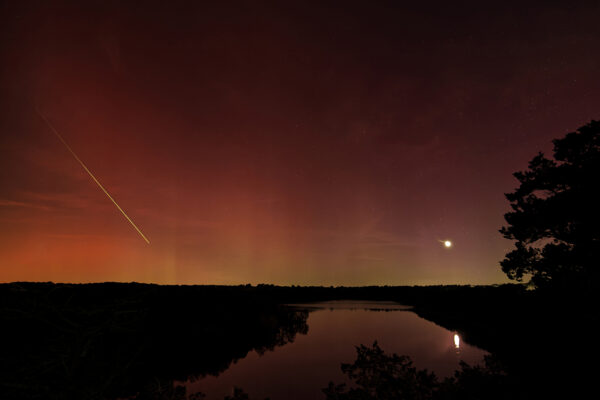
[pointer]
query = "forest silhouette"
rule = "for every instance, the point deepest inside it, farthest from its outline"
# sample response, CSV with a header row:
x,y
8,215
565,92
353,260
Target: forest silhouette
x,y
136,341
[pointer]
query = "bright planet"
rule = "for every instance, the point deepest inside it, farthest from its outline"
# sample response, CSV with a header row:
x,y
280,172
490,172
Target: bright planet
x,y
447,244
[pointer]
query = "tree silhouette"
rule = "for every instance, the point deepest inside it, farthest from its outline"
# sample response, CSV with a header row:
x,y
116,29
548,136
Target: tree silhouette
x,y
556,215
377,375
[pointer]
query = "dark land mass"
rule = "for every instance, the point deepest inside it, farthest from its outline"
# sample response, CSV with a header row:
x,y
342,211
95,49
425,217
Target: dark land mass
x,y
130,340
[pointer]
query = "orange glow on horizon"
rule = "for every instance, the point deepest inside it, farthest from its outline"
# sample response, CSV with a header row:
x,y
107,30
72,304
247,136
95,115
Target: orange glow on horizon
x,y
260,147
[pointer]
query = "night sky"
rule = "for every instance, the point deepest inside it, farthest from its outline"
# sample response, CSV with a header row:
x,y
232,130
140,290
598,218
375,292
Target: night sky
x,y
326,143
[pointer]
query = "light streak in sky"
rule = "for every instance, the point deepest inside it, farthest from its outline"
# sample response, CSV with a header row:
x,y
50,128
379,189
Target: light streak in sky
x,y
90,173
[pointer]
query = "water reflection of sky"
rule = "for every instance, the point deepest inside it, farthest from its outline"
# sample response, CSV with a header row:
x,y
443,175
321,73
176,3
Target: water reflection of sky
x,y
300,370
353,305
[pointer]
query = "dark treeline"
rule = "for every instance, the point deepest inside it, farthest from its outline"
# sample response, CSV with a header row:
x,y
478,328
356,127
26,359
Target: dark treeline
x,y
130,340
111,340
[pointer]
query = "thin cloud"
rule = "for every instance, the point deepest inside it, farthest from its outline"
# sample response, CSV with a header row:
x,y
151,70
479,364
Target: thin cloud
x,y
13,203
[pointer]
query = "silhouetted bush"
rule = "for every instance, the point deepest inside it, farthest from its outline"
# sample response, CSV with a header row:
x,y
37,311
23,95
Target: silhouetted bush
x,y
376,375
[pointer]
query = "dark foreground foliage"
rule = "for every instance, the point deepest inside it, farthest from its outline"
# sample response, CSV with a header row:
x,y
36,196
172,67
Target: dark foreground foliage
x,y
376,375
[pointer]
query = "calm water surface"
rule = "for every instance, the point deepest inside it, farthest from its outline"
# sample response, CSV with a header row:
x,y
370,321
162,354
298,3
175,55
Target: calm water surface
x,y
299,370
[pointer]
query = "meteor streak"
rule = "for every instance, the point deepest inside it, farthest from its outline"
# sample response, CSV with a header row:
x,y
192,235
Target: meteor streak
x,y
90,173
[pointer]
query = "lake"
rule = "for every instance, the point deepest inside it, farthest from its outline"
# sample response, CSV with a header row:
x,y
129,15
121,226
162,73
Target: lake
x,y
300,369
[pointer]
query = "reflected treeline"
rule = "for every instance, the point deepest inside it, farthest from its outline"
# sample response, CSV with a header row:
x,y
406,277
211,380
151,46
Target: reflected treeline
x,y
129,341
